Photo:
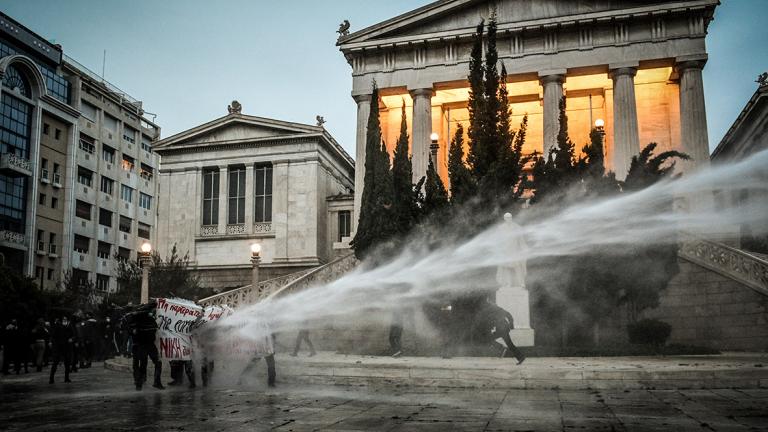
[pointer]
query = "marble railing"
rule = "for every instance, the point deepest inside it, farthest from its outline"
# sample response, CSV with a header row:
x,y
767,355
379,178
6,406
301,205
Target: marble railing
x,y
322,275
730,262
248,295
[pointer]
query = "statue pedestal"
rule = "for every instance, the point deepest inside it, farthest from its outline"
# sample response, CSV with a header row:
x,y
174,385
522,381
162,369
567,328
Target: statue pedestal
x,y
515,300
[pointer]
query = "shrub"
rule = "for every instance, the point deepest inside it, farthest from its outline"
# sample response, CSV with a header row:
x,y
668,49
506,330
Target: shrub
x,y
649,332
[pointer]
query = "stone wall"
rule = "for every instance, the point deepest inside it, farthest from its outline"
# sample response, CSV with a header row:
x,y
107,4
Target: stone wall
x,y
708,309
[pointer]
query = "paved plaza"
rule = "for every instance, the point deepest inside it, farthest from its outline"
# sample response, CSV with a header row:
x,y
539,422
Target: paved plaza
x,y
101,400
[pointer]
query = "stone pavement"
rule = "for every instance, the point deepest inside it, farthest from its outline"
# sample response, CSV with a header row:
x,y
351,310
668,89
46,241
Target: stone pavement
x,y
104,400
739,370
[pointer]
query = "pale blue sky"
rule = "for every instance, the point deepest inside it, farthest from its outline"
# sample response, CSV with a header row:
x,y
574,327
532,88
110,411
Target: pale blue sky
x,y
187,59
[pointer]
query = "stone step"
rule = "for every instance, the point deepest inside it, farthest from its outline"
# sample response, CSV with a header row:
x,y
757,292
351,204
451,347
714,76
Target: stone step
x,y
731,370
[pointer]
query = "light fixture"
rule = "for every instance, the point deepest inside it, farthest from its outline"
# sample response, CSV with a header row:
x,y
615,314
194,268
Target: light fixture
x,y
599,123
255,249
146,248
434,137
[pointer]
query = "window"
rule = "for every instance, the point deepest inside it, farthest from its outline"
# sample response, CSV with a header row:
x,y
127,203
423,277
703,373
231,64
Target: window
x,y
89,111
54,202
56,176
44,168
126,193
107,185
143,230
108,153
87,144
129,134
57,134
46,129
102,283
39,272
211,197
123,254
236,195
105,217
84,176
82,244
17,82
146,144
83,210
41,199
146,172
345,224
50,274
40,240
145,201
104,250
128,163
15,120
125,224
52,243
80,278
263,193
110,122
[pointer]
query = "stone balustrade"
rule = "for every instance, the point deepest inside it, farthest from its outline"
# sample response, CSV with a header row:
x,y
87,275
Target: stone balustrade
x,y
248,295
322,275
745,268
209,230
15,165
13,239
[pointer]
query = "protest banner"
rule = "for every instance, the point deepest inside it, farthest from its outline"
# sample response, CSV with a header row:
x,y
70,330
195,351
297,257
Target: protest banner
x,y
175,320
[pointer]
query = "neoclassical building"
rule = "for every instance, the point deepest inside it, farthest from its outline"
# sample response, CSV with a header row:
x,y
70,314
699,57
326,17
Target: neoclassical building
x,y
634,65
242,179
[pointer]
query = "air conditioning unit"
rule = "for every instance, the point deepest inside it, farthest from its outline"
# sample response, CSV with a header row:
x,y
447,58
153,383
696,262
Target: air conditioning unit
x,y
109,167
85,189
126,206
89,125
109,135
125,236
106,231
87,157
145,212
106,197
82,257
83,223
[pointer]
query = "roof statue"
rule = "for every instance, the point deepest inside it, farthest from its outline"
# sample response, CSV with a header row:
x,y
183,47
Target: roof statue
x,y
762,79
235,107
343,29
320,120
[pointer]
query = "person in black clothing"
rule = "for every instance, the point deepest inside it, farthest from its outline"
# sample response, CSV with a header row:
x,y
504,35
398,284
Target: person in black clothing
x,y
62,344
40,339
500,323
178,369
142,327
303,336
15,348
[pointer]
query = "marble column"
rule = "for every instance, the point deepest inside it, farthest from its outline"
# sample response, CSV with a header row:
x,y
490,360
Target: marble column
x,y
553,92
223,200
363,111
422,129
693,115
626,138
249,198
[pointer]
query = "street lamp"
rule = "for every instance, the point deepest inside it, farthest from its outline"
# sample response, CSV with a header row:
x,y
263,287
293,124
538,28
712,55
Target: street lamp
x,y
145,259
599,124
255,261
433,148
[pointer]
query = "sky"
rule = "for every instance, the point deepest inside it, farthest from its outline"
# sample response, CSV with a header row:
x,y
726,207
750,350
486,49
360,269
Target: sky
x,y
188,59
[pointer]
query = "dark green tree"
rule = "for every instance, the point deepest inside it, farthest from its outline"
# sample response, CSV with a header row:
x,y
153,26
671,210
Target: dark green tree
x,y
377,223
405,197
463,186
646,169
476,130
435,196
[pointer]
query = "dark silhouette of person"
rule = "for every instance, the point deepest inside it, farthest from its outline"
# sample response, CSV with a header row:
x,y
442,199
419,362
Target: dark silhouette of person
x,y
62,347
396,334
143,327
498,322
303,336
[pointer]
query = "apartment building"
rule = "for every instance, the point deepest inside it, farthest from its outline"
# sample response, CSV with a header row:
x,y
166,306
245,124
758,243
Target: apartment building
x,y
77,171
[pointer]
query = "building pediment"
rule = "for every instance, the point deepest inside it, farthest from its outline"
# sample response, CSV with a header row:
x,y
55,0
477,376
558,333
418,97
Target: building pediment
x,y
453,18
236,127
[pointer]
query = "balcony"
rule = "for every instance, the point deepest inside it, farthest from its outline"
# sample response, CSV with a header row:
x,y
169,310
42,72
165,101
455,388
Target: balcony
x,y
12,239
44,176
53,252
262,228
15,166
57,180
209,230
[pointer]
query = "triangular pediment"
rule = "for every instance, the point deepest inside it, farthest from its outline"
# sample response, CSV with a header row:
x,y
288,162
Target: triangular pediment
x,y
236,128
448,17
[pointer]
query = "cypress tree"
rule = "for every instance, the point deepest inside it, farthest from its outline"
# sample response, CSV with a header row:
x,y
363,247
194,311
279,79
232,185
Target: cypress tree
x,y
405,206
463,185
435,195
477,105
376,224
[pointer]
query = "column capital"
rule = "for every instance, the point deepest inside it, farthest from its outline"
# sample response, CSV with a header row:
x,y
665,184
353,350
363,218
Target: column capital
x,y
423,92
684,63
362,98
621,71
552,76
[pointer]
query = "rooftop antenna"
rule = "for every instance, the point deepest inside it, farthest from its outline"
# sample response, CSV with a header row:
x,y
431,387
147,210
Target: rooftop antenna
x,y
103,64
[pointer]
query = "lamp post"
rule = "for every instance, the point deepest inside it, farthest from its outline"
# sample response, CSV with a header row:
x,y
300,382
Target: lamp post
x,y
600,127
145,259
433,148
255,260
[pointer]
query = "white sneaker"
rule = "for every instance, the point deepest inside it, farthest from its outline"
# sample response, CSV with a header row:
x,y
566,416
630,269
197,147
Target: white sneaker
x,y
397,354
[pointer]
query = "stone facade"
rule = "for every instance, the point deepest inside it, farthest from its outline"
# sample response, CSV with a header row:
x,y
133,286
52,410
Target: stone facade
x,y
242,179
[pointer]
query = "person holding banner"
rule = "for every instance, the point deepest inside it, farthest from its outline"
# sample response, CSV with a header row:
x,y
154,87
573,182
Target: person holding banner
x,y
143,327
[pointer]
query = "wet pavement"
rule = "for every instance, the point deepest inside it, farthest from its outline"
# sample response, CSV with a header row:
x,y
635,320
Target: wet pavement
x,y
101,400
